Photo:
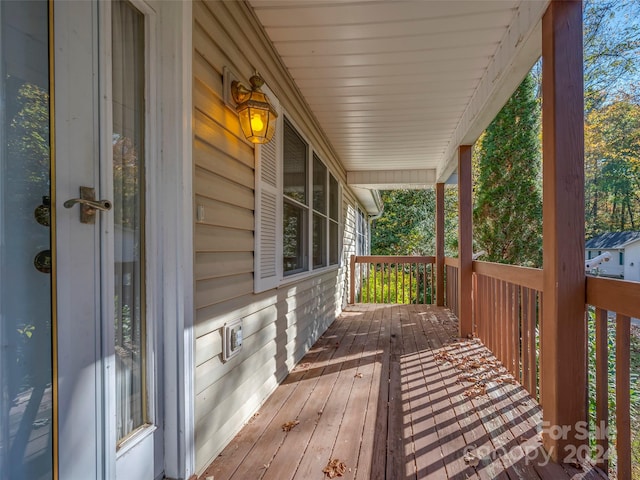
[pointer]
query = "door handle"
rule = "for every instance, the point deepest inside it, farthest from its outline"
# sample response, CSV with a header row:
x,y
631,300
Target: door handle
x,y
88,204
103,205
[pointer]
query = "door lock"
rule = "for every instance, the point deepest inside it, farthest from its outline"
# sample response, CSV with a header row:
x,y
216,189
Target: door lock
x,y
88,204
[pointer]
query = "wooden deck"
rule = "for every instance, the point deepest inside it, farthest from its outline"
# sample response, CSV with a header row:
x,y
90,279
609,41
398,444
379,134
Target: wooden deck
x,y
391,393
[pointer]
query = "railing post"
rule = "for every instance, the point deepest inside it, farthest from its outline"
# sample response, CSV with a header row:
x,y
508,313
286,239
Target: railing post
x,y
352,280
465,242
439,244
564,337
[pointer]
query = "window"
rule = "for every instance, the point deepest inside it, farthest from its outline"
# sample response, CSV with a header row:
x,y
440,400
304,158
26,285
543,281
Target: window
x,y
321,208
319,213
295,202
362,244
589,255
334,215
297,208
621,257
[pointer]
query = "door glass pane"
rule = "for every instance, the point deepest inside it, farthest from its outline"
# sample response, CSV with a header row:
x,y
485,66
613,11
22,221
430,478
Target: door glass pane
x,y
26,414
128,54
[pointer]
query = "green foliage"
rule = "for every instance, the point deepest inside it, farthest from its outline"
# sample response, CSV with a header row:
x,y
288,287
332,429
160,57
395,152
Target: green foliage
x,y
612,166
611,45
407,225
508,201
403,285
28,138
388,286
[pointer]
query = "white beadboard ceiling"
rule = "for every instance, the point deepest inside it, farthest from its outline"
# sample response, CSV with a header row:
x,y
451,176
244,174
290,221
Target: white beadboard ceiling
x,y
398,85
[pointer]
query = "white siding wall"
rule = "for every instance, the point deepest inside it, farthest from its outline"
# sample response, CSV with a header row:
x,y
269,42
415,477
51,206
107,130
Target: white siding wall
x,y
632,262
612,268
281,324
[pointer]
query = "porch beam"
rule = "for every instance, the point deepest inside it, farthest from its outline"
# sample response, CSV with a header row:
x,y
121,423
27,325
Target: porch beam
x,y
415,179
440,244
465,241
563,347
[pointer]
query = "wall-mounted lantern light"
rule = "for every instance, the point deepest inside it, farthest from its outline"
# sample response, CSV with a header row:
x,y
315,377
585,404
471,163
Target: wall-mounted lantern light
x,y
257,115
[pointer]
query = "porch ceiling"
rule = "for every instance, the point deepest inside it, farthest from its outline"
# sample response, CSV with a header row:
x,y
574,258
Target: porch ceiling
x,y
398,85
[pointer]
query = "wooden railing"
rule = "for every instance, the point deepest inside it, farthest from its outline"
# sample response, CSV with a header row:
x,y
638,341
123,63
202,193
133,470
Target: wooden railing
x,y
615,302
391,279
451,286
507,311
507,318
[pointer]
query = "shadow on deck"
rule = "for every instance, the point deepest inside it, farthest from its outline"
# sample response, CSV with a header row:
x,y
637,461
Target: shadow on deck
x,y
391,392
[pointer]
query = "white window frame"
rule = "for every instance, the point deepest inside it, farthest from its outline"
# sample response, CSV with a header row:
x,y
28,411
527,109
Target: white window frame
x,y
362,232
309,270
264,281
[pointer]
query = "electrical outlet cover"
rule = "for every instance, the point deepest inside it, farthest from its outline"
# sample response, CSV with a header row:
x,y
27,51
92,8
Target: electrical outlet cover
x,y
232,339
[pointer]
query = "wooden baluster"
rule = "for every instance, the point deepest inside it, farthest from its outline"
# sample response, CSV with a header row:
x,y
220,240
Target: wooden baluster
x,y
388,266
432,286
361,272
515,325
424,283
623,398
403,297
602,388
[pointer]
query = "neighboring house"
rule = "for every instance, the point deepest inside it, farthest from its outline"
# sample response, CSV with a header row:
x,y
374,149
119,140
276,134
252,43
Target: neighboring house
x,y
174,272
624,248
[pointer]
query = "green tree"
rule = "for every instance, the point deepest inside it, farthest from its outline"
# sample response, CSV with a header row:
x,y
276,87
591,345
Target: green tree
x,y
611,45
508,202
612,166
407,224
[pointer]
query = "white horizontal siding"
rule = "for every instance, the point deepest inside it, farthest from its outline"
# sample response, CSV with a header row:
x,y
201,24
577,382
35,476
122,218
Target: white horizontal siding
x,y
280,324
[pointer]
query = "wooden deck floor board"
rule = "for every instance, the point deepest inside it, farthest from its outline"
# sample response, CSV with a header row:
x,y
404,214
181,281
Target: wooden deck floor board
x,y
405,416
295,450
372,456
347,445
232,458
320,447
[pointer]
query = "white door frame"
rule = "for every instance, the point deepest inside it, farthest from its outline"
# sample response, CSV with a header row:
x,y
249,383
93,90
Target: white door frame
x,y
78,367
172,201
135,458
176,184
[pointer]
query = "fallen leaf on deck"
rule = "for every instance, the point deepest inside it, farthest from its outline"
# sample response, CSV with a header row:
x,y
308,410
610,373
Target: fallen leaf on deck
x,y
289,425
471,459
475,391
335,468
359,375
304,366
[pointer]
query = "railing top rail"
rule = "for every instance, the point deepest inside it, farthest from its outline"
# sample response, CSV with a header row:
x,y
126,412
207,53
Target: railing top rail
x,y
452,262
394,259
618,296
523,276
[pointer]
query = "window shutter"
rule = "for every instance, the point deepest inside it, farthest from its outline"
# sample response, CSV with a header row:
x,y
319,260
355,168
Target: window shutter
x,y
268,208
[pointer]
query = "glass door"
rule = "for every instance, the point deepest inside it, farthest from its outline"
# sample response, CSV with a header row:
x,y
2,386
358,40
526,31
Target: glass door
x,y
26,391
128,109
